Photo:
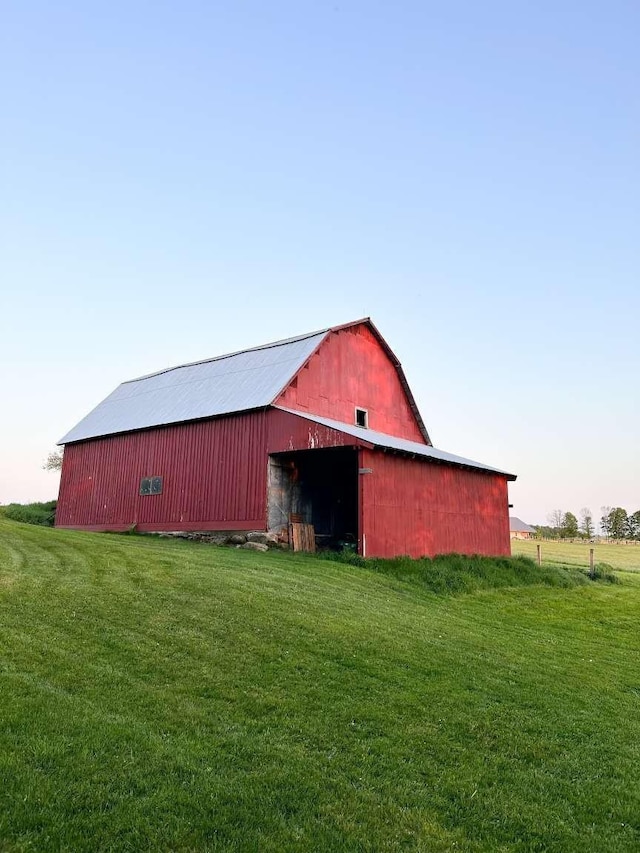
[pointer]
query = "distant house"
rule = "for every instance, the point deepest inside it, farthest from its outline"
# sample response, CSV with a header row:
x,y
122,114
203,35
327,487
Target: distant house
x,y
519,530
321,429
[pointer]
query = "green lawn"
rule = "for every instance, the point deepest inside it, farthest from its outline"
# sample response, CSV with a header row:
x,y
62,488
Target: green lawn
x,y
621,556
167,695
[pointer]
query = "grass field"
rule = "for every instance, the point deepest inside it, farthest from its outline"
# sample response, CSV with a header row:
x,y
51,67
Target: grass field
x,y
622,557
167,695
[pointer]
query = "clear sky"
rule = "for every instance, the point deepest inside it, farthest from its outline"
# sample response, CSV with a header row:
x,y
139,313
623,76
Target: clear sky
x,y
179,180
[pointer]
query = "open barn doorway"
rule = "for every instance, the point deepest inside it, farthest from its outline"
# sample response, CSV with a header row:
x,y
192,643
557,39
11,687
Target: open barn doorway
x,y
318,487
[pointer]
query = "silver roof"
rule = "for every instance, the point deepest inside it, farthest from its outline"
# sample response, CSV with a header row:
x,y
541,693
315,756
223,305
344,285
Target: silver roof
x,y
237,382
392,442
517,525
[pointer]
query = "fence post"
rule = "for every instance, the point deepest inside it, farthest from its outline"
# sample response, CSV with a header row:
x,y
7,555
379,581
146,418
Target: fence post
x,y
539,547
592,570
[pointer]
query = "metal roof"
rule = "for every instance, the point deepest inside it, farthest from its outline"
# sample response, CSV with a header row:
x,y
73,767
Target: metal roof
x,y
237,382
392,442
517,525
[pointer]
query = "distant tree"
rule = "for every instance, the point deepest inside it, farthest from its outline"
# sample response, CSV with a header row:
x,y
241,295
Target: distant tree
x,y
555,520
54,461
586,522
569,528
605,512
633,523
618,523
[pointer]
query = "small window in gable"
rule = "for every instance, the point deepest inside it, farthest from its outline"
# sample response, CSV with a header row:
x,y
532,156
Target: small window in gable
x,y
362,418
151,486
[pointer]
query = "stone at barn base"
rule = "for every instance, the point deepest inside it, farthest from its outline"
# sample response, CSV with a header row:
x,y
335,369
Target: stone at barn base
x,y
263,538
254,546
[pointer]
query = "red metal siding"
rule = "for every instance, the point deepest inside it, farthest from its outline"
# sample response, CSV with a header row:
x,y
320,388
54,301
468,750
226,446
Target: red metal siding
x,y
214,478
422,508
411,506
288,432
349,369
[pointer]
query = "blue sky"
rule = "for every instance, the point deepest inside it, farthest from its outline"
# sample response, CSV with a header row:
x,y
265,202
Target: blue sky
x,y
183,179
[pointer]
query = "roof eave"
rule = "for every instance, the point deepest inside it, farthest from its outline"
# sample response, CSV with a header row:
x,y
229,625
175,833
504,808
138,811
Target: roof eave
x,y
468,466
64,440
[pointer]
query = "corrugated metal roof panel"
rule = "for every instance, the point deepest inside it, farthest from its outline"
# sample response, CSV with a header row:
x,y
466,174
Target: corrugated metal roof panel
x,y
231,383
381,439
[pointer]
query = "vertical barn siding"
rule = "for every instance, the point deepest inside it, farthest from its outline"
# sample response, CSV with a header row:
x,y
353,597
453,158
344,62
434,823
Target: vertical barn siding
x,y
349,369
214,478
288,432
422,508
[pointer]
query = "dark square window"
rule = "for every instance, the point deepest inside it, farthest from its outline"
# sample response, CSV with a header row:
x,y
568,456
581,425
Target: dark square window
x,y
362,418
151,486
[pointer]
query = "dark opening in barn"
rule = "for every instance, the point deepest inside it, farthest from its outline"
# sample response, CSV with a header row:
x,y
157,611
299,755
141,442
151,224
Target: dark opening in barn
x,y
321,488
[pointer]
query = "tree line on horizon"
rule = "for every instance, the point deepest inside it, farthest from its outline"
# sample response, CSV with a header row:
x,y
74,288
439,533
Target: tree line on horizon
x,y
615,523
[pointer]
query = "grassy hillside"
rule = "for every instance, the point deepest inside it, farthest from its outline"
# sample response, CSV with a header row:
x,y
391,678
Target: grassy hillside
x,y
621,556
160,695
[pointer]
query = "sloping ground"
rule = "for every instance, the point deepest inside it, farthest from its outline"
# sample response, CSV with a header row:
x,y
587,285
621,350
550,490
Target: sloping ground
x,y
163,695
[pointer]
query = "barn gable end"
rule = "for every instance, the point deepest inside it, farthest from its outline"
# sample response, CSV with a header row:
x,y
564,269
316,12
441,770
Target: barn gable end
x,y
353,368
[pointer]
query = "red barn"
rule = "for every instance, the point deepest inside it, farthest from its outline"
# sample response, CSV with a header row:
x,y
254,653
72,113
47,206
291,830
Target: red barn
x,y
323,426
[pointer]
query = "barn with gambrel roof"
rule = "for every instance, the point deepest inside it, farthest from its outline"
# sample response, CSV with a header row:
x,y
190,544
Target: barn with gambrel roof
x,y
322,427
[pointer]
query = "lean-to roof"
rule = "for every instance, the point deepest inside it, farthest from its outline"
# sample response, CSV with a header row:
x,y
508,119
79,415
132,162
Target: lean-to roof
x,y
403,445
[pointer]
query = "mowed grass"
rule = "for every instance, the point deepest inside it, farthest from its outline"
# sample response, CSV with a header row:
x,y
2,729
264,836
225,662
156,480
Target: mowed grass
x,y
624,557
161,695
